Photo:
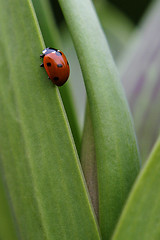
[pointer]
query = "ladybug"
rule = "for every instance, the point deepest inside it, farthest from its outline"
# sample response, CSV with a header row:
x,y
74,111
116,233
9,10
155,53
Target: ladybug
x,y
56,65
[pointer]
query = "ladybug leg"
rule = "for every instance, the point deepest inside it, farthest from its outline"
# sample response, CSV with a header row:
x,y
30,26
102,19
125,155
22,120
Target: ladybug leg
x,y
42,55
48,78
42,65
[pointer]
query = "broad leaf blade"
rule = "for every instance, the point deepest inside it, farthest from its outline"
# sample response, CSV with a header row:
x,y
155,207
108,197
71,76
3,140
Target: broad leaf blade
x,y
140,218
116,149
38,158
7,230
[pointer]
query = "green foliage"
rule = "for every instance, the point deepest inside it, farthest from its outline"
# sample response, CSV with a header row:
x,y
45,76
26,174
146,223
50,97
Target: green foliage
x,y
52,38
116,150
142,86
7,230
140,219
43,189
116,26
38,156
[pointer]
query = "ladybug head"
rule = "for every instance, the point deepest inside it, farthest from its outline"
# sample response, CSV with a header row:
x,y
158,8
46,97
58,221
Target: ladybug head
x,y
49,50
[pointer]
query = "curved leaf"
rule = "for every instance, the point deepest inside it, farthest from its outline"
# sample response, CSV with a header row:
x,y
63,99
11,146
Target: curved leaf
x,y
116,148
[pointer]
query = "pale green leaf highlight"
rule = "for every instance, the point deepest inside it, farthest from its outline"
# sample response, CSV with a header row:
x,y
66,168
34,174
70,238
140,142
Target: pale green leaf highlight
x,y
140,219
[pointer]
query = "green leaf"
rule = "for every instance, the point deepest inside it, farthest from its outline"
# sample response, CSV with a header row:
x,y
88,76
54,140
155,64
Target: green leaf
x,y
52,38
76,82
47,23
7,231
88,160
38,160
140,218
115,143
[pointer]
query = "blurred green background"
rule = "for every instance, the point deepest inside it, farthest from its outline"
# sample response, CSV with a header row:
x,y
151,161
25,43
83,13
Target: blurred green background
x,y
132,9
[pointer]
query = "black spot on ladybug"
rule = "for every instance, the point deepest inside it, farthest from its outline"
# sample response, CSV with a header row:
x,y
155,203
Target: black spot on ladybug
x,y
56,78
67,62
48,64
59,65
58,53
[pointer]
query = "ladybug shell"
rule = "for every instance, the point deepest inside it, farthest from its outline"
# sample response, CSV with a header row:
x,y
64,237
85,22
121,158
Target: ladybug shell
x,y
57,67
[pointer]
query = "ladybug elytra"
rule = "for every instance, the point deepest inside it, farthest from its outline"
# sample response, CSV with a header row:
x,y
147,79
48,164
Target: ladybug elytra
x,y
56,65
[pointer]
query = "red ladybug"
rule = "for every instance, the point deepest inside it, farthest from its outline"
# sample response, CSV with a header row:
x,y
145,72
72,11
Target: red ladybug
x,y
56,65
